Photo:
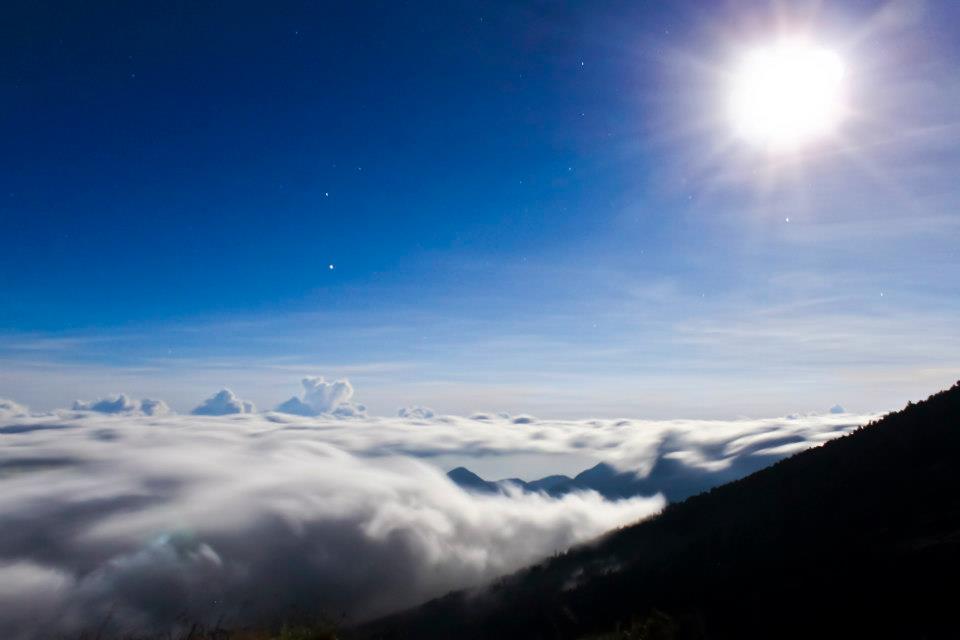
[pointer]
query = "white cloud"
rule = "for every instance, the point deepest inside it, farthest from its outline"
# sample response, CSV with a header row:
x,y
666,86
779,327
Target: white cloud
x,y
222,403
249,516
27,593
121,404
321,397
154,407
416,413
11,408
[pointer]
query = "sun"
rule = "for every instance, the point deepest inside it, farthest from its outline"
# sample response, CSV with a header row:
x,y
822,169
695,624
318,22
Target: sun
x,y
787,95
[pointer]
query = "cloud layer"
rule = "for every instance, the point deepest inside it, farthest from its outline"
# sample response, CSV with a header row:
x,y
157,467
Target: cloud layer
x,y
154,519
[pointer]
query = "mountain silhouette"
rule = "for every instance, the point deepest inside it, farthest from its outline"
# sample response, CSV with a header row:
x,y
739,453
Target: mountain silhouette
x,y
669,476
857,538
467,479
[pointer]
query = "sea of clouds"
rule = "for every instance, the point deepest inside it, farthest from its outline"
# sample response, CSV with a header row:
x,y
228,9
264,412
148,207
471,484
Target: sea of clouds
x,y
120,514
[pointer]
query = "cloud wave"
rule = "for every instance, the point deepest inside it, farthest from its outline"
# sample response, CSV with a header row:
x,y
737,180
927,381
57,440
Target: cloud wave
x,y
149,520
152,519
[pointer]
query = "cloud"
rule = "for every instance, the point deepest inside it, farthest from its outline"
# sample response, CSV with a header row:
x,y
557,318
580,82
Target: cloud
x,y
27,590
183,517
121,404
153,407
416,413
150,518
11,408
321,397
222,403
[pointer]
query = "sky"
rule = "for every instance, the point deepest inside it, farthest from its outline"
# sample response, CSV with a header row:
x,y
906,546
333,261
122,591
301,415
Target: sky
x,y
473,206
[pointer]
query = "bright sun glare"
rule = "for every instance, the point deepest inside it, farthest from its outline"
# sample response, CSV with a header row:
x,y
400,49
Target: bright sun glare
x,y
787,95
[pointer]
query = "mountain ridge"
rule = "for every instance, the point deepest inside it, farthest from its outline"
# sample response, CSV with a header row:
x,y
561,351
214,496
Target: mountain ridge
x,y
853,538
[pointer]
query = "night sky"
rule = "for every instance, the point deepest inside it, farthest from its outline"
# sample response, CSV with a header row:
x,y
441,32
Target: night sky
x,y
472,205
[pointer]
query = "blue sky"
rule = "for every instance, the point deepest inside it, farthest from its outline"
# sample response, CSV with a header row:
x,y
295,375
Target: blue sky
x,y
527,208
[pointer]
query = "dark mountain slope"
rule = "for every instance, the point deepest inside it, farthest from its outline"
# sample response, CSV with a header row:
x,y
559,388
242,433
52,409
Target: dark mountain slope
x,y
857,538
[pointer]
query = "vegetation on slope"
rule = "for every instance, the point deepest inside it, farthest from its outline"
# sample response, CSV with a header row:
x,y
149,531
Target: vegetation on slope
x,y
859,537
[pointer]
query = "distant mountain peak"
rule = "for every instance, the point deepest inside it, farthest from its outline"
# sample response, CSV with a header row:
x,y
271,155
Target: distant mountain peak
x,y
466,479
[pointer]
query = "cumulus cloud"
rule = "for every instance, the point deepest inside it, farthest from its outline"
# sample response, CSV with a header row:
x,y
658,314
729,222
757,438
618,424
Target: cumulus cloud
x,y
154,407
11,408
154,520
321,397
222,403
121,404
416,413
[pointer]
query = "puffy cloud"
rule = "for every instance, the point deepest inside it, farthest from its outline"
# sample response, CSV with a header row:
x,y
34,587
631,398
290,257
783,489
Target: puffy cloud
x,y
113,404
11,408
222,403
122,404
416,413
321,397
154,407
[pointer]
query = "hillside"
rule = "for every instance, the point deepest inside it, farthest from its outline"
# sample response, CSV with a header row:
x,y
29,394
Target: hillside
x,y
857,538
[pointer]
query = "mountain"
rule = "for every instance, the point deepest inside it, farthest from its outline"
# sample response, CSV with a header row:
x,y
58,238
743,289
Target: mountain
x,y
857,538
548,484
470,481
671,477
467,479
